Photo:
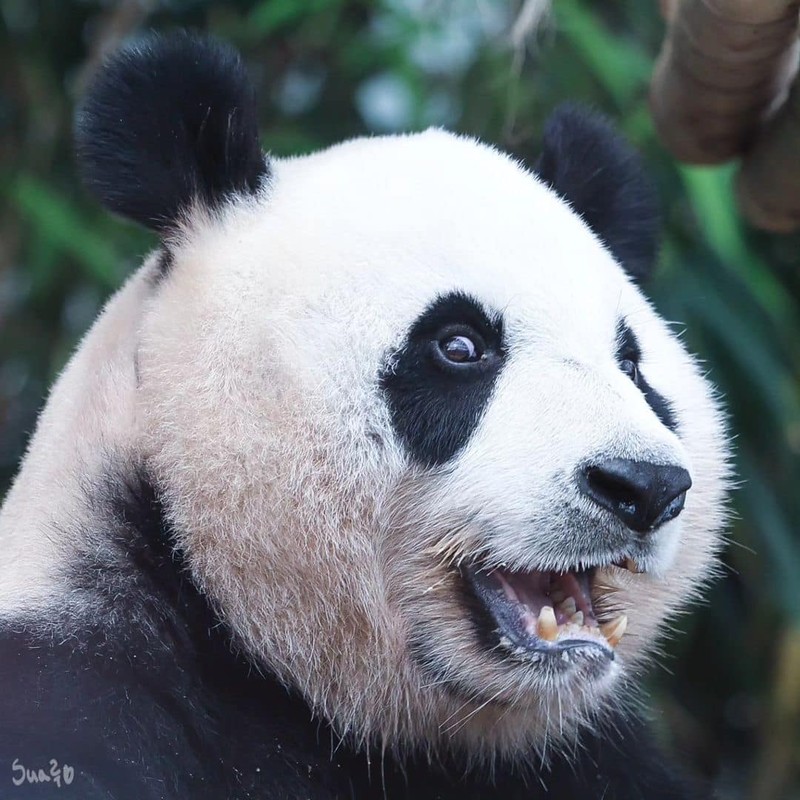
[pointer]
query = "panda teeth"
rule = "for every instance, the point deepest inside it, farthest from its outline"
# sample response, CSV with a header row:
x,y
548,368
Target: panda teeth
x,y
568,606
546,626
615,630
549,605
630,565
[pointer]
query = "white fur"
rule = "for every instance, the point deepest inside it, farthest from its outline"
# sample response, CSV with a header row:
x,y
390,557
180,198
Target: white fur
x,y
260,415
90,413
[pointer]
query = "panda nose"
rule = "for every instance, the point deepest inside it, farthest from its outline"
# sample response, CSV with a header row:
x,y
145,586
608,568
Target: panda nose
x,y
641,494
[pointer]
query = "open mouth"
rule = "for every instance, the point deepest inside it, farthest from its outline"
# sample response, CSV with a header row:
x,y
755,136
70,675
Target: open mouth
x,y
544,612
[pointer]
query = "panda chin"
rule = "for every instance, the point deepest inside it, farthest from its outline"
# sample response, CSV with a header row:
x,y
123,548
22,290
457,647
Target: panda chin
x,y
543,616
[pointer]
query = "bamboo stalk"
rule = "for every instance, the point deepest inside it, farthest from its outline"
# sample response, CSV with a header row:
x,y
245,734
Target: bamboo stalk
x,y
724,69
768,185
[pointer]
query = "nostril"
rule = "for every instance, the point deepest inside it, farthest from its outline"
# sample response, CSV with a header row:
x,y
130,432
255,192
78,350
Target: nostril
x,y
640,494
611,487
674,507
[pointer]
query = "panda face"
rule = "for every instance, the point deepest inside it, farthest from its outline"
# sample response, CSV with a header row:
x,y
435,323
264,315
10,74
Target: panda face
x,y
406,411
424,446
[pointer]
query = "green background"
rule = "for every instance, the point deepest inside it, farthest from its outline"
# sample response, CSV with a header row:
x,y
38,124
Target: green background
x,y
726,693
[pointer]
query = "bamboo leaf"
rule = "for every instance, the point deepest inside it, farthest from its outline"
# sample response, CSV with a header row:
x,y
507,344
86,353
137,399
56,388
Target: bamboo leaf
x,y
54,219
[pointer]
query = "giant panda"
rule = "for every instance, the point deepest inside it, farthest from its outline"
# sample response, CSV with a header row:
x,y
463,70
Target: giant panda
x,y
379,478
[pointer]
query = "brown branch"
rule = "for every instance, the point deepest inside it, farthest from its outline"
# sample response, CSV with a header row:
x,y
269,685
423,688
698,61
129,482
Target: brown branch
x,y
768,186
723,70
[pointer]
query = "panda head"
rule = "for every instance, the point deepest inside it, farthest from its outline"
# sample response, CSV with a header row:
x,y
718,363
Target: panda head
x,y
423,443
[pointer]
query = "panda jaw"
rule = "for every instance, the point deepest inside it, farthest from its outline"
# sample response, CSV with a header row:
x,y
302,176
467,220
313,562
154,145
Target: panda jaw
x,y
545,614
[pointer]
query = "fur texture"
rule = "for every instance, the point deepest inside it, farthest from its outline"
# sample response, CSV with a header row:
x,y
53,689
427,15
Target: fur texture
x,y
255,385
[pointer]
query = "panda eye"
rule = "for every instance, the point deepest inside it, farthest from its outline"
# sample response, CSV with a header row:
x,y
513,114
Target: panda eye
x,y
460,349
457,346
631,369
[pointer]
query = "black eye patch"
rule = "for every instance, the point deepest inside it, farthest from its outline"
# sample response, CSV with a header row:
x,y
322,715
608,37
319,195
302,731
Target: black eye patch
x,y
628,350
436,402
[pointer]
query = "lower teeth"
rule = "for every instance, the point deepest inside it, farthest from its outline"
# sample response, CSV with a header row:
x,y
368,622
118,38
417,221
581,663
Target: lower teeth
x,y
547,627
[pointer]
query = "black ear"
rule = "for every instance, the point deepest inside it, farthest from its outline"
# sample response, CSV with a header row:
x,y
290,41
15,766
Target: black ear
x,y
602,178
168,122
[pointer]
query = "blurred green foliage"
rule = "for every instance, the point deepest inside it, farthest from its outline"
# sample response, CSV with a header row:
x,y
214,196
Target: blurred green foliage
x,y
728,693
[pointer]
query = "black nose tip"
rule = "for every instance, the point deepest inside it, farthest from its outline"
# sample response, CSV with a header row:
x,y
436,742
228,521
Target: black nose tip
x,y
641,494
